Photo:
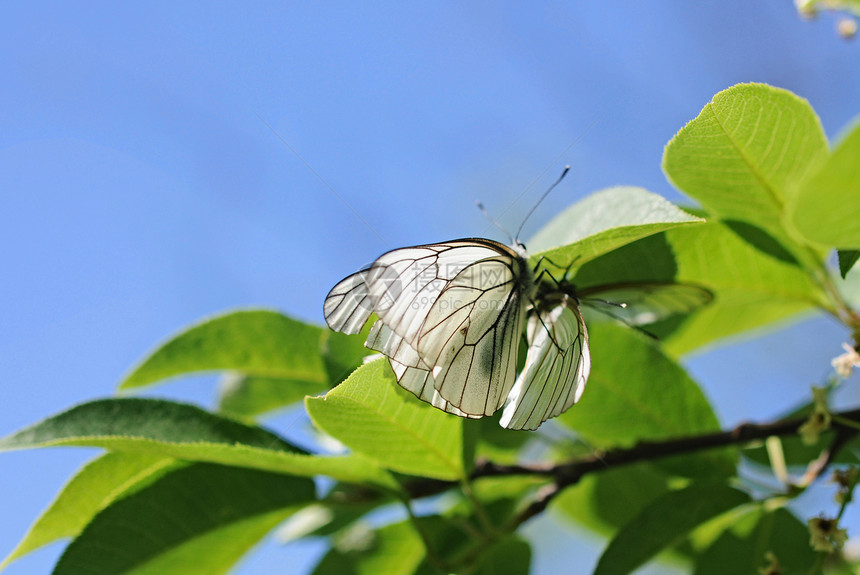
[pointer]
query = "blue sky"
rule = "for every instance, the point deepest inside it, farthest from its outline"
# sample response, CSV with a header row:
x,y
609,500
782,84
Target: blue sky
x,y
148,178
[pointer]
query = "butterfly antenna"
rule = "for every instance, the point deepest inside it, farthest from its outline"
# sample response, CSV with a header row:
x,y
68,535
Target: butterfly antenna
x,y
494,222
545,194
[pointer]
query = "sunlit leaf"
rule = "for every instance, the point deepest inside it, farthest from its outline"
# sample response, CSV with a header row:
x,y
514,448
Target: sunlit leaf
x,y
186,432
243,396
374,416
220,510
742,156
751,288
602,222
254,342
826,210
96,485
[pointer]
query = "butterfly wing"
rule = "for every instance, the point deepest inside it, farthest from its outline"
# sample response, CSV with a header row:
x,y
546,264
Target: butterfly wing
x,y
643,303
407,367
471,333
556,369
450,318
401,285
347,306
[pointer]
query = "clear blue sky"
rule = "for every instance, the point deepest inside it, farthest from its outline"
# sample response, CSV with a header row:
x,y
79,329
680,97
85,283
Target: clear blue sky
x,y
144,183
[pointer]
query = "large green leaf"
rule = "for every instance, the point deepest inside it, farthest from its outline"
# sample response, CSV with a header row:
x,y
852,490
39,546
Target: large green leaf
x,y
254,342
752,288
97,484
509,555
602,222
144,418
826,209
607,500
372,415
665,522
744,154
637,393
186,432
249,396
344,353
220,510
392,550
743,547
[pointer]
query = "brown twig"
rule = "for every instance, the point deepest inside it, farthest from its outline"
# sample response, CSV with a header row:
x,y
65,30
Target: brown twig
x,y
570,472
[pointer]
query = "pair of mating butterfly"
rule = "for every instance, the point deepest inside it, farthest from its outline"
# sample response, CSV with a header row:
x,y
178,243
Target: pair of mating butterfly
x,y
451,316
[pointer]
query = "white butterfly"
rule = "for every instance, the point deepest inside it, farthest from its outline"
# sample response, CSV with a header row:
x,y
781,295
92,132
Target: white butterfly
x,y
450,321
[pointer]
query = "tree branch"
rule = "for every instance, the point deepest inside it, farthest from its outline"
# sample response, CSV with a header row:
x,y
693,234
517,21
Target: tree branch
x,y
570,472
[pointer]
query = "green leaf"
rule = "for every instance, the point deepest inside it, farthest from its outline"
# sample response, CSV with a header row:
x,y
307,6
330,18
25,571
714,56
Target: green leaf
x,y
602,222
186,432
372,415
825,210
222,510
97,484
752,288
509,555
494,441
344,353
664,523
847,259
742,547
744,154
635,393
247,397
254,342
607,500
149,419
392,550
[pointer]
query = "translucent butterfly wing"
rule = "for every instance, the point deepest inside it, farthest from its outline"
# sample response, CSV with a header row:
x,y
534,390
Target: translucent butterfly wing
x,y
557,366
471,333
347,306
407,367
450,319
645,303
400,285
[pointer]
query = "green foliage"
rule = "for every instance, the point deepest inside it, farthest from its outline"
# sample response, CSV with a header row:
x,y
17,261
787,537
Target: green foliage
x,y
602,222
372,415
847,259
254,342
744,154
97,485
605,501
182,489
655,529
825,208
242,505
744,545
622,408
